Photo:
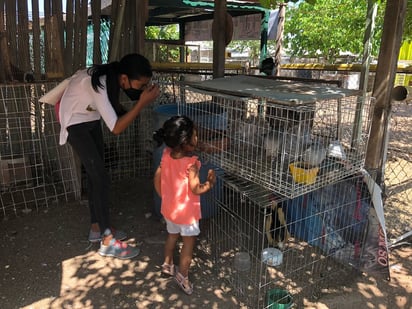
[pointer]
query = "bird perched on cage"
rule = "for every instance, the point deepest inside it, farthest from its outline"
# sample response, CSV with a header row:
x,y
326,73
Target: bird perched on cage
x,y
314,155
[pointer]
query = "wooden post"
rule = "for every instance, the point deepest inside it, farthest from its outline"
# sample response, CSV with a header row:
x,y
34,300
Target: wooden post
x,y
97,51
219,38
23,46
36,40
5,68
11,22
279,38
83,42
55,54
69,48
57,11
140,22
117,30
384,80
76,35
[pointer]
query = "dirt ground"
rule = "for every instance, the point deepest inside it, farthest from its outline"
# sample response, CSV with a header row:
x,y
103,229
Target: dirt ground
x,y
47,262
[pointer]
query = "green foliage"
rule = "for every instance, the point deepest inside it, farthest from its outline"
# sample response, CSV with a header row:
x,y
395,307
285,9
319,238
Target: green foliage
x,y
273,4
329,27
165,53
167,32
407,30
251,46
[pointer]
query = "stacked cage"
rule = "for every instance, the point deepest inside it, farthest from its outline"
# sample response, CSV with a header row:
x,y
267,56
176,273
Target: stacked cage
x,y
288,142
305,246
290,187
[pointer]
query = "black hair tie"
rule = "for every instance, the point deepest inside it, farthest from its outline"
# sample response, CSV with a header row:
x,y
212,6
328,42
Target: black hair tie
x,y
158,136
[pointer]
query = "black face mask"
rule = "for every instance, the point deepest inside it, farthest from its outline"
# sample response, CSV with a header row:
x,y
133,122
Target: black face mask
x,y
133,94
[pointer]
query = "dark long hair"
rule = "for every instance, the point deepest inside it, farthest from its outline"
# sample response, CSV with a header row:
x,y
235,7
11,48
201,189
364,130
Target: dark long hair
x,y
134,66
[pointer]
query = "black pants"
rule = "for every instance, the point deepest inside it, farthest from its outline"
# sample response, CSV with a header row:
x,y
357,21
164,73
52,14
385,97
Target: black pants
x,y
87,141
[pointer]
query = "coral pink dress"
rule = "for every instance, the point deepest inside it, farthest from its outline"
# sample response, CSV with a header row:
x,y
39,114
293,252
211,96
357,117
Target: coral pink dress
x,y
179,204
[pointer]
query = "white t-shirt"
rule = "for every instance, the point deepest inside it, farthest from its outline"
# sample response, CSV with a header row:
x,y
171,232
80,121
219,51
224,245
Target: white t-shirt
x,y
80,103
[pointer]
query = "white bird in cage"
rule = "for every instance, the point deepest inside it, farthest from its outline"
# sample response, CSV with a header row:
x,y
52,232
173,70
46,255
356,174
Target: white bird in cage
x,y
297,139
246,131
272,142
315,154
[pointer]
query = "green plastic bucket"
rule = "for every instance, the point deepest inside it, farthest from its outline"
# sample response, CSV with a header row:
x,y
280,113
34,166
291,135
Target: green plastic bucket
x,y
279,299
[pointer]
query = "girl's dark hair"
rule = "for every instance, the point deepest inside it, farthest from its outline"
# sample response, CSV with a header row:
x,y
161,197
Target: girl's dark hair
x,y
176,131
134,66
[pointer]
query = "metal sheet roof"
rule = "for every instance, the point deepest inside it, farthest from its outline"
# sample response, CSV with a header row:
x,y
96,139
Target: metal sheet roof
x,y
163,12
280,91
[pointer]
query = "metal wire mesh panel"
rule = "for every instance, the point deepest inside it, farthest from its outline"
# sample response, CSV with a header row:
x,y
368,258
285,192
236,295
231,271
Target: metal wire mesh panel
x,y
289,148
35,171
319,235
398,167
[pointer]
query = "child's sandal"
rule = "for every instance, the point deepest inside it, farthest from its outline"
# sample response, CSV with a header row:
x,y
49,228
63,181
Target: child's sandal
x,y
184,283
168,269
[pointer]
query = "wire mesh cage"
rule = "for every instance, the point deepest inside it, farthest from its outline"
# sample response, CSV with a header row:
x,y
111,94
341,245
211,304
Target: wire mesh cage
x,y
261,245
288,137
34,170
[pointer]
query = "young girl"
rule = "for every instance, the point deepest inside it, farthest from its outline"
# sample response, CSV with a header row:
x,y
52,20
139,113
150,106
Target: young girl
x,y
177,182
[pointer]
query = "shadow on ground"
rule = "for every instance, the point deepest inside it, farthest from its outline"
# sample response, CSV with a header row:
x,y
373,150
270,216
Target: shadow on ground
x,y
47,262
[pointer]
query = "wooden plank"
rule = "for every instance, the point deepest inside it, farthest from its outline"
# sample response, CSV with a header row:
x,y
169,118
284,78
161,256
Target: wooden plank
x,y
117,31
23,38
77,35
11,23
47,35
57,10
69,48
83,30
56,66
97,50
36,40
5,68
140,22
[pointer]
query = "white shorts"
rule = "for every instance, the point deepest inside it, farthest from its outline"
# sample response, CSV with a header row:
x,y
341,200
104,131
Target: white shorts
x,y
183,229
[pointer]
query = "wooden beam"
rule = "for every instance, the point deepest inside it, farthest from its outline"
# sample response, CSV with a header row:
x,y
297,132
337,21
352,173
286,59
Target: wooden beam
x,y
69,48
36,40
97,50
5,68
219,38
117,30
395,12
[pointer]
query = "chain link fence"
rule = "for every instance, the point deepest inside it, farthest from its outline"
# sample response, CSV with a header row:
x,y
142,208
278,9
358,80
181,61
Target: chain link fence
x,y
398,171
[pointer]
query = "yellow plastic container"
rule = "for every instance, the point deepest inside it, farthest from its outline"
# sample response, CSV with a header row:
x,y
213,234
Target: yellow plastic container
x,y
303,175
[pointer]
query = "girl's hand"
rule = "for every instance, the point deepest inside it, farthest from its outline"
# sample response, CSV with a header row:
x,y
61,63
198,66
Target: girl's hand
x,y
211,177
